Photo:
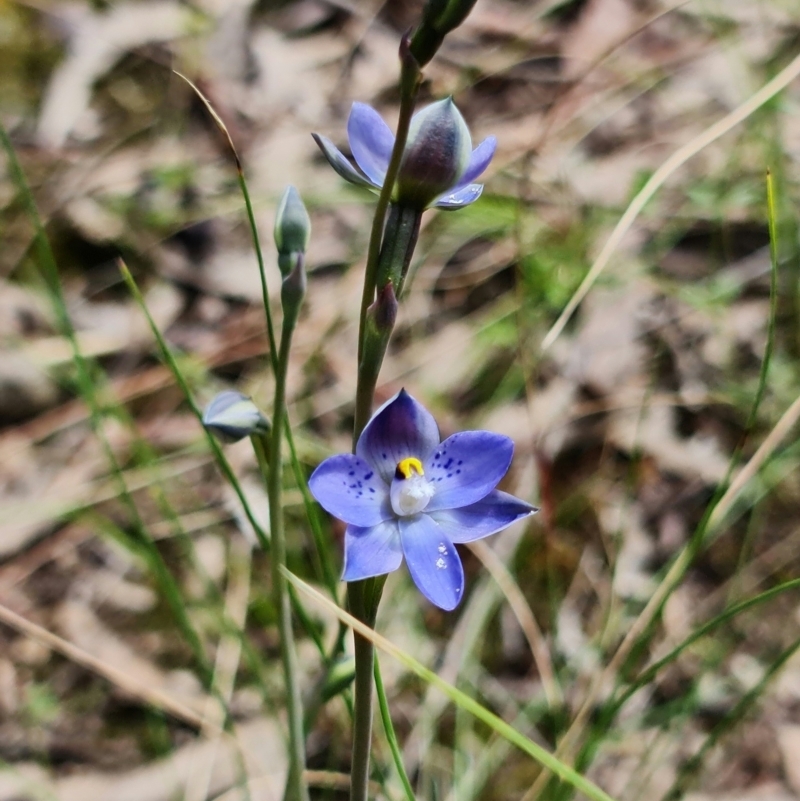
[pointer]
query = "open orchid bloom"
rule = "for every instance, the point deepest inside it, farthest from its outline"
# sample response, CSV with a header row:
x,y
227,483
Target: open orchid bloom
x,y
439,166
407,494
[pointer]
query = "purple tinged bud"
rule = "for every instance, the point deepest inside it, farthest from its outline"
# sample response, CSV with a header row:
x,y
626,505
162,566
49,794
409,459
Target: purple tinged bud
x,y
232,416
383,312
381,316
292,225
437,153
438,167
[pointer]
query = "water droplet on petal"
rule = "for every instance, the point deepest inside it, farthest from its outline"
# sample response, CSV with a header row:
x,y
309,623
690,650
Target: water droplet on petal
x,y
441,563
442,548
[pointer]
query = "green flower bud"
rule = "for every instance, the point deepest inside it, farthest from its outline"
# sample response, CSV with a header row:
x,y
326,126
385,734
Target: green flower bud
x,y
292,225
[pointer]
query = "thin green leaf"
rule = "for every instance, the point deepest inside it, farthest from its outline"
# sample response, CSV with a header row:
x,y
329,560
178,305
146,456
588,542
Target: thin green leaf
x,y
528,746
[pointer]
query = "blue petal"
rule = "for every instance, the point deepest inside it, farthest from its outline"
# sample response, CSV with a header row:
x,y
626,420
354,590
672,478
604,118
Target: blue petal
x,y
370,140
433,561
371,551
351,490
339,162
466,467
488,516
399,429
459,198
478,161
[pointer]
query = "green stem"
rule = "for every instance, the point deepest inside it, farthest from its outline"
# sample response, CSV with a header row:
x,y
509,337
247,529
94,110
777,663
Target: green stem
x,y
399,241
295,788
362,707
364,603
363,598
409,86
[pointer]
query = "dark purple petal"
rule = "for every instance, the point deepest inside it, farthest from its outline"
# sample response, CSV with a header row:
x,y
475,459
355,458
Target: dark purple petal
x,y
339,162
432,560
351,490
466,467
399,429
370,140
460,198
488,516
478,161
371,551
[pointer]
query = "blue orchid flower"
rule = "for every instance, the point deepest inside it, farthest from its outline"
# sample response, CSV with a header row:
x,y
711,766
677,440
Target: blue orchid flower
x,y
439,166
407,494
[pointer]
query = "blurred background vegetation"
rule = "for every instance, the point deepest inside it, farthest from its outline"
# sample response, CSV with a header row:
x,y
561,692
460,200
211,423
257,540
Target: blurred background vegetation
x,y
134,605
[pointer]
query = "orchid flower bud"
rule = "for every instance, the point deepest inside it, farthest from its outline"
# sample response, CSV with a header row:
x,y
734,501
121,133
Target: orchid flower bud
x,y
437,153
438,169
438,18
292,229
232,416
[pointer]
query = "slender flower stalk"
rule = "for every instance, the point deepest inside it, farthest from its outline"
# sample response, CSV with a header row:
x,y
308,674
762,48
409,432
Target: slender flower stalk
x,y
296,788
291,236
408,180
410,77
363,597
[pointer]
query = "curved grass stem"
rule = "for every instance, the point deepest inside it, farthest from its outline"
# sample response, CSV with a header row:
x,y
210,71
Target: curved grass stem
x,y
296,789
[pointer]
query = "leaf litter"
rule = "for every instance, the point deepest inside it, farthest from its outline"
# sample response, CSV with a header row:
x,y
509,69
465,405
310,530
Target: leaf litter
x,y
622,431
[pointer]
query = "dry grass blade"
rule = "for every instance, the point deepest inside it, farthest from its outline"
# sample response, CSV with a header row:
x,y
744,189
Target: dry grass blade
x,y
226,664
566,747
217,119
767,448
657,179
528,746
129,684
522,611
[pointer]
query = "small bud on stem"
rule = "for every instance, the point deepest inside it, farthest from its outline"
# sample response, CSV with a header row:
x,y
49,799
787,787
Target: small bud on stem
x,y
292,225
232,416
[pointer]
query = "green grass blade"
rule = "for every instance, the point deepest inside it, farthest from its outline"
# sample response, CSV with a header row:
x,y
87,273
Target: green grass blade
x,y
715,511
528,746
48,269
169,360
652,671
391,736
692,766
327,572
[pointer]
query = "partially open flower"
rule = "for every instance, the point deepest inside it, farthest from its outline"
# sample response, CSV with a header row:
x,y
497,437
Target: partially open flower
x,y
406,494
439,166
232,416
